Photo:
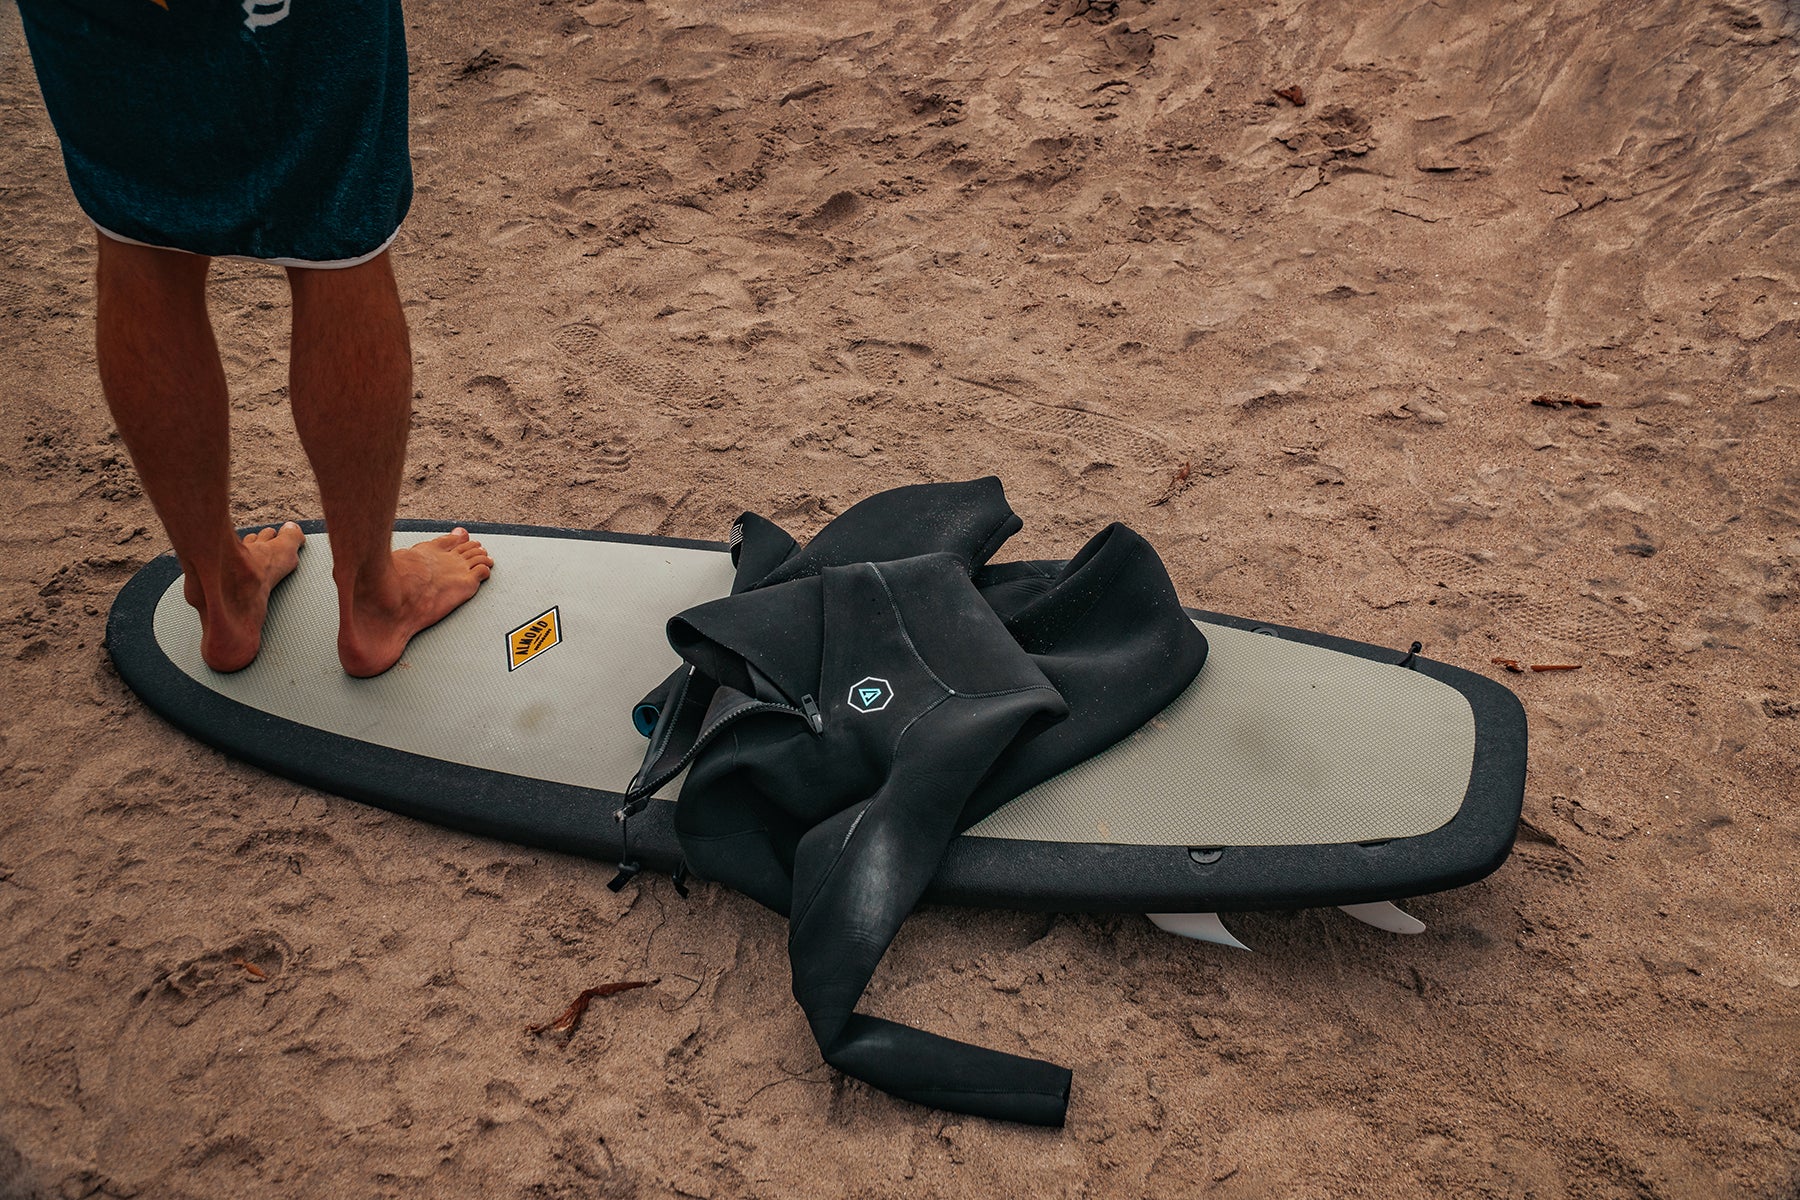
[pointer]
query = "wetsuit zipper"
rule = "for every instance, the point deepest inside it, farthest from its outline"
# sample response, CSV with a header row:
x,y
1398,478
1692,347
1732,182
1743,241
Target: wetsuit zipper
x,y
638,796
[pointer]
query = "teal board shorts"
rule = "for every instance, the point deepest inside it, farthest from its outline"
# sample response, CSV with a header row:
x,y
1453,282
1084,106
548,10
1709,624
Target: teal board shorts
x,y
267,129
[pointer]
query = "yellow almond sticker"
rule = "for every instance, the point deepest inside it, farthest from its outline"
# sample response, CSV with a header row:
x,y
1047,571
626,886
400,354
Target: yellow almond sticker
x,y
533,638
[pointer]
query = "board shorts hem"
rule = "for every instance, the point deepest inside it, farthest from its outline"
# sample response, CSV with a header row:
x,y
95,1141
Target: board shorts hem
x,y
336,264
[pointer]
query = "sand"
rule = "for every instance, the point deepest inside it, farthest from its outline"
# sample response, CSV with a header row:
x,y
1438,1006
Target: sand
x,y
671,261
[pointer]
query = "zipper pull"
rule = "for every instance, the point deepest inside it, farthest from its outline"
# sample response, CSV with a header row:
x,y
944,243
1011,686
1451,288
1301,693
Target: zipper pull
x,y
813,717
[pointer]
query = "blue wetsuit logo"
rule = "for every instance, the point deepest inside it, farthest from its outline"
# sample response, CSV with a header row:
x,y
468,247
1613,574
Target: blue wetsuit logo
x,y
870,695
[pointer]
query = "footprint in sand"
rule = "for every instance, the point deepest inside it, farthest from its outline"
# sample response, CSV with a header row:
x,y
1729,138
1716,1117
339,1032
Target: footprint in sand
x,y
504,410
1572,620
833,212
579,340
13,292
643,513
891,362
658,380
1107,439
1548,864
612,455
259,957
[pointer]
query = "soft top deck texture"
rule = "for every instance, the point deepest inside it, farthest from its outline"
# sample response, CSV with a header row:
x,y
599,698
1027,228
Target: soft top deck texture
x,y
1299,769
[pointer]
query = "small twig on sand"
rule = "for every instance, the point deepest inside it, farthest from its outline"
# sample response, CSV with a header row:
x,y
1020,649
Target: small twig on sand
x,y
790,1077
1177,485
572,1015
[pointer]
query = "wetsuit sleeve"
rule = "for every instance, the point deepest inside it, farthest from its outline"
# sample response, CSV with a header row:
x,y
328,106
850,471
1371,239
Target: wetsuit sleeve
x,y
858,875
882,697
968,521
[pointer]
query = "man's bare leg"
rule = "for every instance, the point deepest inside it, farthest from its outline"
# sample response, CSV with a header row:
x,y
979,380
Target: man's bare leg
x,y
160,370
350,384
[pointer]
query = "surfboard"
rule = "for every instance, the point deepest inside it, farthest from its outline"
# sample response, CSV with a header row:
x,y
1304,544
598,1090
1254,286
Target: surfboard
x,y
1300,769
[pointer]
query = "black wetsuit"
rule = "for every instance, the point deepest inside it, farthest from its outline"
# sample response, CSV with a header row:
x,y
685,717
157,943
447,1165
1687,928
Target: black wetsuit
x,y
856,704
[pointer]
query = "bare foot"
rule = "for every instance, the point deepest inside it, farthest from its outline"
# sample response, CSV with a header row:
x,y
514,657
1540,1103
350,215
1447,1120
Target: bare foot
x,y
233,606
428,581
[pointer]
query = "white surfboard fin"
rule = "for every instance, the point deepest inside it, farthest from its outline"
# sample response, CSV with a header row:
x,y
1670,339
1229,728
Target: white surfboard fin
x,y
1202,927
1384,914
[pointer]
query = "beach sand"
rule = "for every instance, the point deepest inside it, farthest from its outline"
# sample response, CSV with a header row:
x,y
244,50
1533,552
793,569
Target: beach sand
x,y
668,262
